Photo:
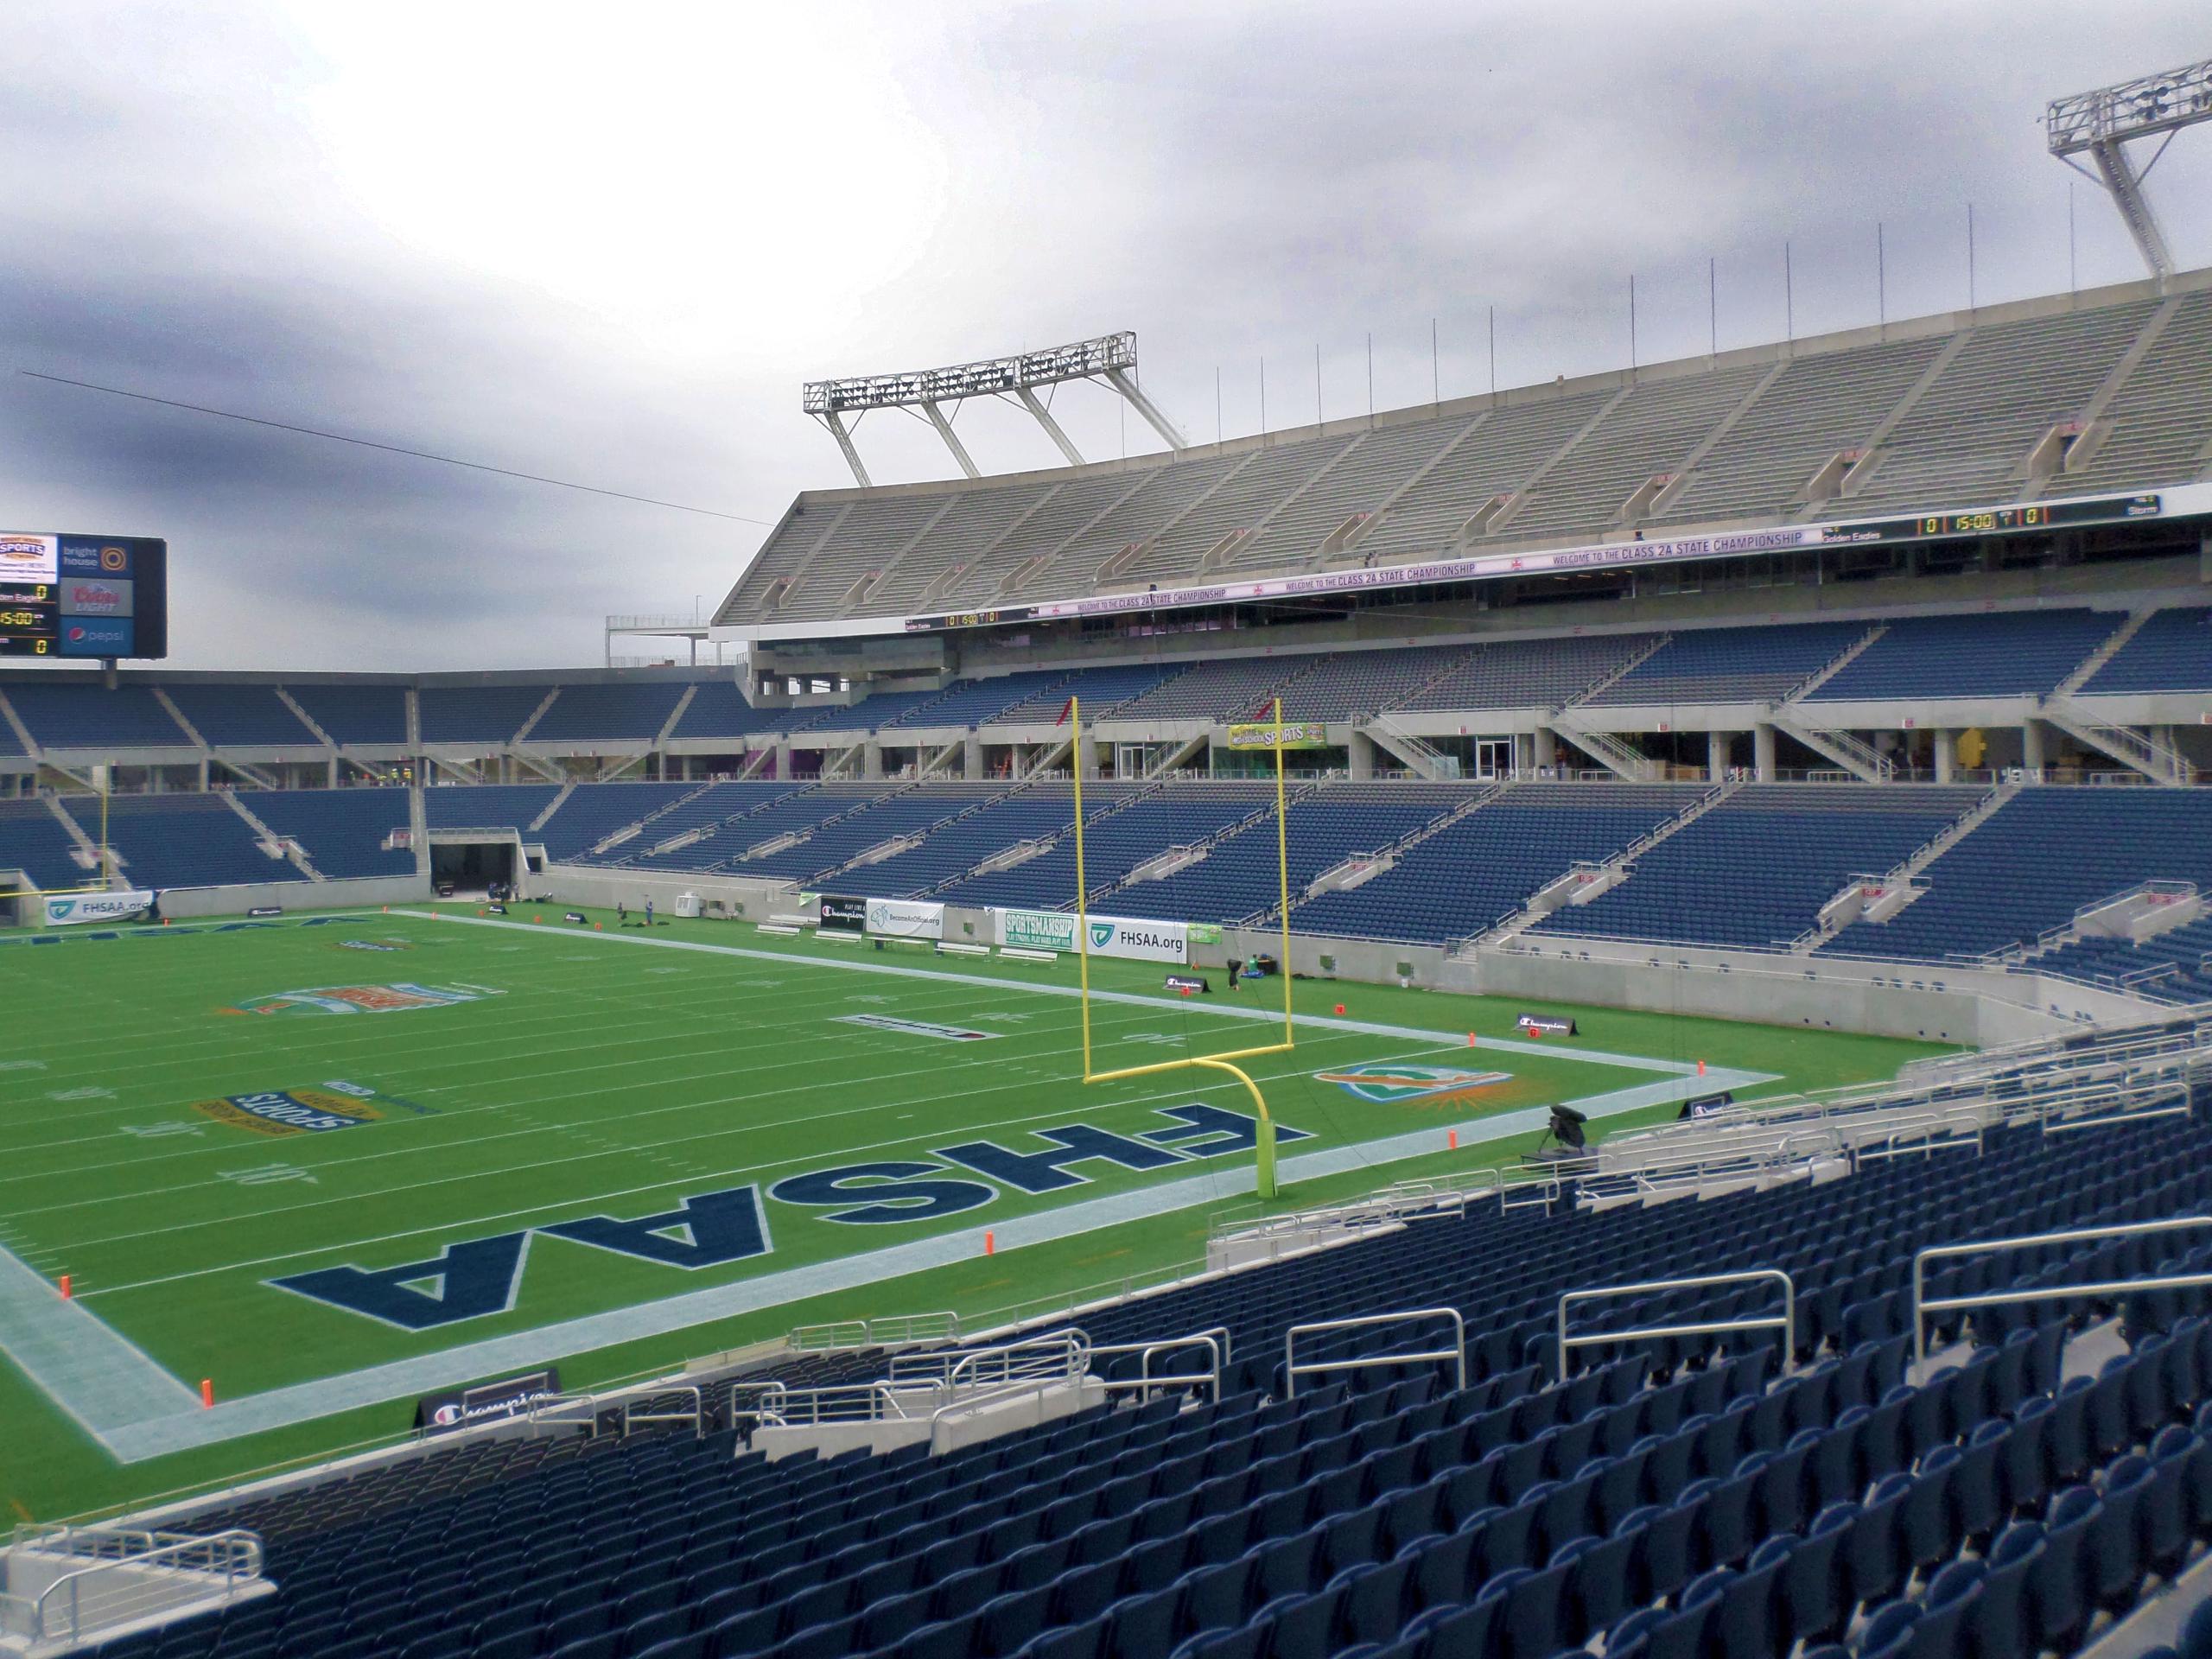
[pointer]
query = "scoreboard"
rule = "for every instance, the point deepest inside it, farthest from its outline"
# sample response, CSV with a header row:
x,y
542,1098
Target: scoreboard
x,y
83,596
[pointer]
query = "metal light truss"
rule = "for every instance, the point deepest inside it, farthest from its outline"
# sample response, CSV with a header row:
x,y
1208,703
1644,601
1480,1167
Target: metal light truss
x,y
2101,123
1111,358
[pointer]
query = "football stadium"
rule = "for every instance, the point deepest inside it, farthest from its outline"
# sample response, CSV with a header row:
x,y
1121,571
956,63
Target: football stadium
x,y
1564,1021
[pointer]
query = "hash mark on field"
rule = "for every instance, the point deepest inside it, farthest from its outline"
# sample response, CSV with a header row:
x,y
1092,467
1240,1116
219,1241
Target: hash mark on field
x,y
90,1092
22,1066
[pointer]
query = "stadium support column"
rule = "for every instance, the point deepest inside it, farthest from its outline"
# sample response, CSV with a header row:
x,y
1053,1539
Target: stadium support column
x,y
1360,755
871,758
1947,754
1543,745
971,757
1716,755
2032,745
1091,756
1763,752
784,759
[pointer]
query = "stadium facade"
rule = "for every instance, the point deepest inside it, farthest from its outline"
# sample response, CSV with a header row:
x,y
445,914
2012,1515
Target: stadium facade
x,y
1751,679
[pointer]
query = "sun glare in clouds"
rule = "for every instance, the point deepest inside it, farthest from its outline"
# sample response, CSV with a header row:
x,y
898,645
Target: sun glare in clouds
x,y
683,171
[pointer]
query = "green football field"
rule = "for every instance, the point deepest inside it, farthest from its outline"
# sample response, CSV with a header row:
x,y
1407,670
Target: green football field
x,y
330,1164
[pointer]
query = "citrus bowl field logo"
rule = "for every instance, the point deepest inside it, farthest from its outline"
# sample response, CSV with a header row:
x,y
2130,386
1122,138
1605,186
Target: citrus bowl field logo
x,y
334,1105
1391,1085
364,999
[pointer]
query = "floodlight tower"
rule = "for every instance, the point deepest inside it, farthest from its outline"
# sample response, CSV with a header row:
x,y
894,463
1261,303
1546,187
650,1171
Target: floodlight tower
x,y
2101,123
1110,358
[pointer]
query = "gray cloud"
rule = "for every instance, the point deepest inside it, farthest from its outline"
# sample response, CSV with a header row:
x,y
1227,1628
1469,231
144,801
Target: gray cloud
x,y
1238,181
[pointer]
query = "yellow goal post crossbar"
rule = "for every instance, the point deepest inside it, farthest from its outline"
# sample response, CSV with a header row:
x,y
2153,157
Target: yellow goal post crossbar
x,y
1265,1136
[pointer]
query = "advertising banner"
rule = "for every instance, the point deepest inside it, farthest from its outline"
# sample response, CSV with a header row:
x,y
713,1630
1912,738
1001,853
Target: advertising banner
x,y
96,907
95,596
1207,933
1110,935
1547,1025
1188,983
1296,734
903,919
459,1407
843,915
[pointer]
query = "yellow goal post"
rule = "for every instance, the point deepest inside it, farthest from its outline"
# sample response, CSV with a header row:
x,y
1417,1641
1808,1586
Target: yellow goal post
x,y
1226,1061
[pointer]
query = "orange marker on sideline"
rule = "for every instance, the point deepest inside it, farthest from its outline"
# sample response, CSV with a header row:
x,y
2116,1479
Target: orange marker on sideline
x,y
990,1242
1452,1139
1470,1039
65,1287
1700,1068
206,1393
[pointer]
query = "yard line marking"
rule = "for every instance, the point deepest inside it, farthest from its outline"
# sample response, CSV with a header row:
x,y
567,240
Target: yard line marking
x,y
157,1434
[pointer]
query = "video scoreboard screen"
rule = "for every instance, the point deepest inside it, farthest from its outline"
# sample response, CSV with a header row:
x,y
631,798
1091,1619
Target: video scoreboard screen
x,y
68,596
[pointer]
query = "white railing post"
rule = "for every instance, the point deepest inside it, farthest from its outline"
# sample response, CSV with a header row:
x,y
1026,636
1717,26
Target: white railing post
x,y
1922,1305
1787,1323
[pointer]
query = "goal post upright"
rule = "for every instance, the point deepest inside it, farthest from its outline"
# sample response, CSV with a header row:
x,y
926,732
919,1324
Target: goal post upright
x,y
1264,1128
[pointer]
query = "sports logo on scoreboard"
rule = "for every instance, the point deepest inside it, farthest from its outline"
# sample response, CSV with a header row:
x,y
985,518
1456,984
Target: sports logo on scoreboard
x,y
333,1105
1393,1085
364,999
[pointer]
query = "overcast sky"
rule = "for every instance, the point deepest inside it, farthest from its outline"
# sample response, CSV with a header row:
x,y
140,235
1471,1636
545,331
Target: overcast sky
x,y
606,245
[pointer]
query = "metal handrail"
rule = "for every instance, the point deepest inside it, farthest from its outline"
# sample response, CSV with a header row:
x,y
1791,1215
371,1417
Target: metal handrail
x,y
1214,1340
1787,1323
696,1416
1922,1305
233,1554
1926,1137
889,1332
1457,1353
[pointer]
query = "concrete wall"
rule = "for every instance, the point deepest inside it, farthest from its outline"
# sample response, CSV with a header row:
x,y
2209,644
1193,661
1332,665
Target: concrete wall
x,y
1955,1004
179,903
750,899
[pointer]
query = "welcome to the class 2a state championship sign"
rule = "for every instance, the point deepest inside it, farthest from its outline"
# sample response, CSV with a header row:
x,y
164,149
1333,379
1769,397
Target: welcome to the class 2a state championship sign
x,y
86,596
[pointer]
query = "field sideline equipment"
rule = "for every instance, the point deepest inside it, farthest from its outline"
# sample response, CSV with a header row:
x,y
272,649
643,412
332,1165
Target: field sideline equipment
x,y
1222,1062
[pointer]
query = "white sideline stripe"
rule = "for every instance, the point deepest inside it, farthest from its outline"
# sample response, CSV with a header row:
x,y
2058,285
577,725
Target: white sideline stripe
x,y
1326,1022
97,1376
145,1435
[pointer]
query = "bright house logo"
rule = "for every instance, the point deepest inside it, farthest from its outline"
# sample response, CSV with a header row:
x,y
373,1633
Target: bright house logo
x,y
363,999
1392,1085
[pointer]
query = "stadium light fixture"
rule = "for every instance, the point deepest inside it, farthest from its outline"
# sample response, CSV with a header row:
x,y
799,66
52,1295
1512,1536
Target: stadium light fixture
x,y
2101,124
1110,357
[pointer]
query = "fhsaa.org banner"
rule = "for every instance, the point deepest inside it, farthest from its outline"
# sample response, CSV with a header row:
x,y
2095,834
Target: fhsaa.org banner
x,y
96,907
902,919
1110,935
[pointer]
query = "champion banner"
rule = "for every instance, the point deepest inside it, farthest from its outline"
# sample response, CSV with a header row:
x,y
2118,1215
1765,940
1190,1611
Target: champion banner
x,y
96,907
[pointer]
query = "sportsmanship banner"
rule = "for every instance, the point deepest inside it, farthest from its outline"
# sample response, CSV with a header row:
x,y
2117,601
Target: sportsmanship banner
x,y
1110,935
1295,734
902,919
96,907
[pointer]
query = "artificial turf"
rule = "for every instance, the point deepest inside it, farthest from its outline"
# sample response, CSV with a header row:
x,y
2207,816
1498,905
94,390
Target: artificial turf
x,y
559,1071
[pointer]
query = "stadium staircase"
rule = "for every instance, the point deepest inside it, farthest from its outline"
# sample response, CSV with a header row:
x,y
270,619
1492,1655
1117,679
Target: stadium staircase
x,y
271,841
1174,860
1586,731
1422,757
1900,885
16,725
892,846
629,832
299,713
1860,758
1872,451
85,851
1587,880
1364,867
2158,761
2076,443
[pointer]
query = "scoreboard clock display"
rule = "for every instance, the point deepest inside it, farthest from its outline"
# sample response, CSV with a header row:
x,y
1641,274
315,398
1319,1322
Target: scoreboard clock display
x,y
1996,521
65,595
